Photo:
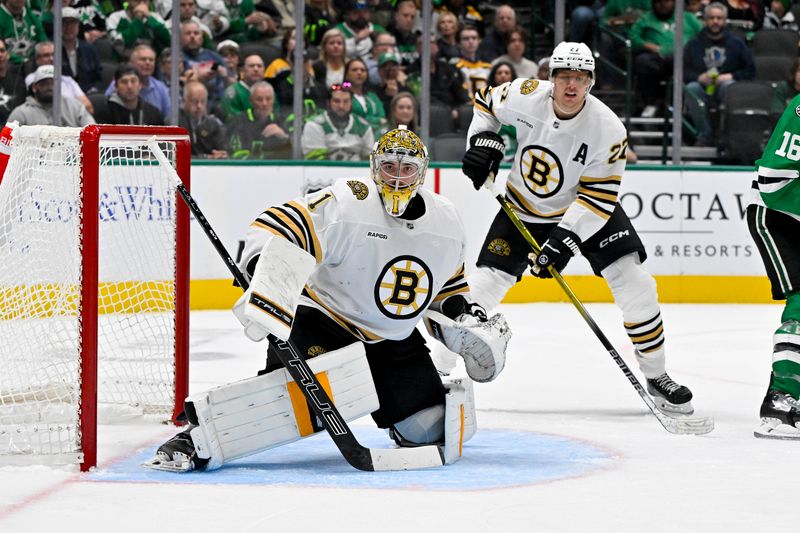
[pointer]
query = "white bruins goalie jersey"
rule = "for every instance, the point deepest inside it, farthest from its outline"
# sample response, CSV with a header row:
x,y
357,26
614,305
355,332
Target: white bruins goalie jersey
x,y
375,274
566,171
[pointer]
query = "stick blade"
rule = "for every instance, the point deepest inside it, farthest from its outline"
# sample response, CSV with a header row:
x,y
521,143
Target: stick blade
x,y
389,459
686,425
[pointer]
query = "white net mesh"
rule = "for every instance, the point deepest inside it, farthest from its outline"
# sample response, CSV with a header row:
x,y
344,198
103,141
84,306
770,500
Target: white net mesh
x,y
40,283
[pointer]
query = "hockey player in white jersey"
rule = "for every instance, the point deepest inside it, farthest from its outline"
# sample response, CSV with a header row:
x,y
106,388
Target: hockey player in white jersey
x,y
383,252
564,184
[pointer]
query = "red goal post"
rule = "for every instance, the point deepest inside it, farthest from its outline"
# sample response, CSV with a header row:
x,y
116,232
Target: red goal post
x,y
95,296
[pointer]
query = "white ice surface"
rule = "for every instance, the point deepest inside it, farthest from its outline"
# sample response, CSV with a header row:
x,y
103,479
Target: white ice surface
x,y
558,380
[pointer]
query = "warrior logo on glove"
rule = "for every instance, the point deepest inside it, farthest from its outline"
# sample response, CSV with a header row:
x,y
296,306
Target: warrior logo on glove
x,y
483,158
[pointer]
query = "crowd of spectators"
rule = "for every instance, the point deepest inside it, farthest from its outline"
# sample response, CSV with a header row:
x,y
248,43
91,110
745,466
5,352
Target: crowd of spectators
x,y
362,68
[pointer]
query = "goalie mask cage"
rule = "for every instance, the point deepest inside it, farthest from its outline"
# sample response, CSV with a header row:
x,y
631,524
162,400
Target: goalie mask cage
x,y
94,283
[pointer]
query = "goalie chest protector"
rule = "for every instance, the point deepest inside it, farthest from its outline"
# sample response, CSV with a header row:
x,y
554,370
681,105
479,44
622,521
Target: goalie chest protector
x,y
378,273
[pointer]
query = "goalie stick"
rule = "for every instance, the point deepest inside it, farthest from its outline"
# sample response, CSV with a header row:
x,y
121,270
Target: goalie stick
x,y
684,425
360,457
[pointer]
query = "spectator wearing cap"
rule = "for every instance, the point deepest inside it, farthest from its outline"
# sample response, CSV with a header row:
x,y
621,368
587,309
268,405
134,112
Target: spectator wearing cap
x,y
20,28
402,27
231,54
257,133
382,43
44,54
237,96
208,66
515,54
154,91
38,106
124,105
136,23
80,58
205,130
493,44
12,84
779,16
357,29
393,78
91,18
474,70
337,134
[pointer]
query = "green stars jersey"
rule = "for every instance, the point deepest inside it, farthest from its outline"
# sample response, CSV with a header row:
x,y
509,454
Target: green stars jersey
x,y
776,185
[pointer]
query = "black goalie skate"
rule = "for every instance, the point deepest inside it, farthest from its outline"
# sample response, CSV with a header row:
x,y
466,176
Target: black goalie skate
x,y
177,455
670,398
780,417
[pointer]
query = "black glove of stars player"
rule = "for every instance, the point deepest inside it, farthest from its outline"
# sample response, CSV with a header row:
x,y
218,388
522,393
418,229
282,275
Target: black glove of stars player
x,y
486,150
556,251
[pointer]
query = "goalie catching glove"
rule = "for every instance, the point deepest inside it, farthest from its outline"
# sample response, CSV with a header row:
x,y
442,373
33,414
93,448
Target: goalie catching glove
x,y
556,251
480,341
486,151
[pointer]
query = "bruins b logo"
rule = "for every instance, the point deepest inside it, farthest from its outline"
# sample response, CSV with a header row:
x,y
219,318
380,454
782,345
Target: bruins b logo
x,y
403,289
528,86
360,190
541,170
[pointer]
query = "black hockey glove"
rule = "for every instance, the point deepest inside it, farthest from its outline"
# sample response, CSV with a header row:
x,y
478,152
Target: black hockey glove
x,y
457,305
486,150
556,251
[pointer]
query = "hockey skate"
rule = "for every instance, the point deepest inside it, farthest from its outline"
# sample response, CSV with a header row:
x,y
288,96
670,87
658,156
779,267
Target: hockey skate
x,y
669,397
780,417
177,455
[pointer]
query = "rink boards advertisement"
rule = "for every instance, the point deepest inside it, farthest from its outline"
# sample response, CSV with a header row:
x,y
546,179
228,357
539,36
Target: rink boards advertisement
x,y
692,222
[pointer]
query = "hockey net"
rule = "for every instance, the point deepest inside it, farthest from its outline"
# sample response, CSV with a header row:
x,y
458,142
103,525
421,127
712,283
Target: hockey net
x,y
93,287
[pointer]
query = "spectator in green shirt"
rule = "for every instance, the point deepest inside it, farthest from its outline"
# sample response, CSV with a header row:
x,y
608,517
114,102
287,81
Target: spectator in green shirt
x,y
652,38
20,29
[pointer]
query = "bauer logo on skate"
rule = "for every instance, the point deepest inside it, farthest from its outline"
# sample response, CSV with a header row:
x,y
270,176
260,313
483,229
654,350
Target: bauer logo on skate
x,y
403,289
541,170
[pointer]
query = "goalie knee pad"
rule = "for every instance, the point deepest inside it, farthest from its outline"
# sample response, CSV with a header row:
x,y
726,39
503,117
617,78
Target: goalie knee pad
x,y
423,427
255,414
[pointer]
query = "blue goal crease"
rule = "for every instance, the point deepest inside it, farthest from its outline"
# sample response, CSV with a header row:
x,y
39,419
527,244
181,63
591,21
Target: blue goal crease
x,y
492,459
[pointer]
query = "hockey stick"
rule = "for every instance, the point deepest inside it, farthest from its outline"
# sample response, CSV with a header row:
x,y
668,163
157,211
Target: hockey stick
x,y
684,425
360,457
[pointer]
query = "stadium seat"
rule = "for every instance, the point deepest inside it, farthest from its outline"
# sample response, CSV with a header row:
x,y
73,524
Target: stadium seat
x,y
448,147
772,68
745,121
267,52
104,49
465,112
108,69
99,103
775,43
441,120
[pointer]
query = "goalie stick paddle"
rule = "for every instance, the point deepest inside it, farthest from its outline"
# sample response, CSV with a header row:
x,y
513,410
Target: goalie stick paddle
x,y
683,425
360,457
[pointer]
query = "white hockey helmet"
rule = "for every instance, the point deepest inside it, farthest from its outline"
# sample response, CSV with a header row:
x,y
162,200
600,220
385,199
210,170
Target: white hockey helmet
x,y
399,161
572,56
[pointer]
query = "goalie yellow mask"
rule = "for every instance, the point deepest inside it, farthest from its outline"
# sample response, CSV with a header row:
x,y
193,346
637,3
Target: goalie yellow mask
x,y
399,161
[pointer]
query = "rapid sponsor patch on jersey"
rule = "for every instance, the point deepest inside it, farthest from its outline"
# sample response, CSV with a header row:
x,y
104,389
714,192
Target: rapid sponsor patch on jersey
x,y
499,247
528,86
403,288
541,170
360,190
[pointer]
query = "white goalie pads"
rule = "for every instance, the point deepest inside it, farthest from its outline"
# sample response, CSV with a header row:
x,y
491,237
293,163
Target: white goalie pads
x,y
269,305
460,423
263,412
481,344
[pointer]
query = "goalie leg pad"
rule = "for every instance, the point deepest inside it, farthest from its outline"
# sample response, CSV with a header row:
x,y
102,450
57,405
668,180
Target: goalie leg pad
x,y
268,306
263,412
460,422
